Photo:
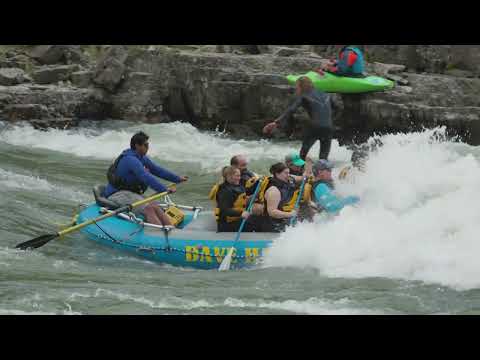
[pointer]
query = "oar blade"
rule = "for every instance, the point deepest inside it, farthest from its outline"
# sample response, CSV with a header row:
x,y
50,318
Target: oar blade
x,y
37,242
227,261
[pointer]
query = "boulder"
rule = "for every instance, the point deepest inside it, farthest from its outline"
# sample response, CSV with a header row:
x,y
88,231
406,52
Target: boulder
x,y
53,101
12,76
54,74
287,51
5,99
55,54
81,79
17,112
18,61
54,123
111,68
386,69
460,73
243,49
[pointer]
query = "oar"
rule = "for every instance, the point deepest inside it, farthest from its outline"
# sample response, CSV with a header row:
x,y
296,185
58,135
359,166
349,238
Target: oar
x,y
225,265
297,204
44,239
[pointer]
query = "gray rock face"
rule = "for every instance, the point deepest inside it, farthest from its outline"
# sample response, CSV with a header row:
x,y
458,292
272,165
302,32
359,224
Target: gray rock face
x,y
111,68
241,87
26,111
29,102
12,76
287,51
243,49
54,74
229,90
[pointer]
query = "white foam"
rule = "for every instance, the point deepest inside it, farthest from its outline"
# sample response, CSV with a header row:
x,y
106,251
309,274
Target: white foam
x,y
419,218
16,181
173,142
313,306
21,312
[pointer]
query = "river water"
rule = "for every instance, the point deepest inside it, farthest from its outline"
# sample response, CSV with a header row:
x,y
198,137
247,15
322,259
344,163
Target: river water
x,y
410,247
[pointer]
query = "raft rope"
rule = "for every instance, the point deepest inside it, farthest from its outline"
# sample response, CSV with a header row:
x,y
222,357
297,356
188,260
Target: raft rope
x,y
153,249
113,239
166,249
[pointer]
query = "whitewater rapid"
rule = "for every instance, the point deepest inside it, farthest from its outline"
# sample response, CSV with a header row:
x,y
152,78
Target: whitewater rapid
x,y
418,220
173,142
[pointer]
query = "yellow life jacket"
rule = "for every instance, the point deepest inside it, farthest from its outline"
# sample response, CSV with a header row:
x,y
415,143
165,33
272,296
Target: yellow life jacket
x,y
251,182
290,204
240,204
213,193
263,188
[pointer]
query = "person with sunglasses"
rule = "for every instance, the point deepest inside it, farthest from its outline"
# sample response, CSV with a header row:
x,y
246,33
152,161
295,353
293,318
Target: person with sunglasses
x,y
132,174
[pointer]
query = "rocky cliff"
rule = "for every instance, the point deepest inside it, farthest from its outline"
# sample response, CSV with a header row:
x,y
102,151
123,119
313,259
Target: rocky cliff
x,y
235,87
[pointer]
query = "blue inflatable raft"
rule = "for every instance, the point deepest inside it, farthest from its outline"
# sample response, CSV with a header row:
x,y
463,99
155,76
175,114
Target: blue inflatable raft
x,y
193,243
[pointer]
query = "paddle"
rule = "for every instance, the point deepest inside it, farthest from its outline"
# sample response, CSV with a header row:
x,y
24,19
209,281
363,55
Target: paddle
x,y
297,204
44,239
225,265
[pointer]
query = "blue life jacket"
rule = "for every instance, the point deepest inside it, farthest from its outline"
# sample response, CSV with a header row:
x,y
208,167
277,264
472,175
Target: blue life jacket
x,y
358,67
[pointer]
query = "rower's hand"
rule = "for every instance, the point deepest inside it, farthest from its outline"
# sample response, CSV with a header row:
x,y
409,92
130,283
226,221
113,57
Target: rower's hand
x,y
245,215
183,178
293,213
268,129
172,190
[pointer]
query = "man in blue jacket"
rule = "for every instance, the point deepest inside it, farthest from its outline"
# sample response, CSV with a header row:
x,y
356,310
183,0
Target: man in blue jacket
x,y
132,174
323,190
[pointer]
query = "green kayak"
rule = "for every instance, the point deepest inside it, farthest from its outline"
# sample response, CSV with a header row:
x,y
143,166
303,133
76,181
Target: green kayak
x,y
344,85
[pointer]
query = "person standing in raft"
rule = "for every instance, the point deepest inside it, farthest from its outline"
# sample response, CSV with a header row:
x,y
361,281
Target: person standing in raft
x,y
132,174
319,108
350,62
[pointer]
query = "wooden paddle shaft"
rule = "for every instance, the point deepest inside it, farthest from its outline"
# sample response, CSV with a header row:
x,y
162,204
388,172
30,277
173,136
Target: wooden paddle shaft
x,y
118,211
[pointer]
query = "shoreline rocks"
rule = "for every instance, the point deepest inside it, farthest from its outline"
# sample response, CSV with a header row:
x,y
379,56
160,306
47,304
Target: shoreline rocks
x,y
237,87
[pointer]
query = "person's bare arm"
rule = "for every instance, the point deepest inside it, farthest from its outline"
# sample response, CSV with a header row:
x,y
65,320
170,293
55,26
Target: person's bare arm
x,y
273,199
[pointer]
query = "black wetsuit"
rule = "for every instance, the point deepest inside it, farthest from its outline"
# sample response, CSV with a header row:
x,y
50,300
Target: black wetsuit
x,y
226,196
320,127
